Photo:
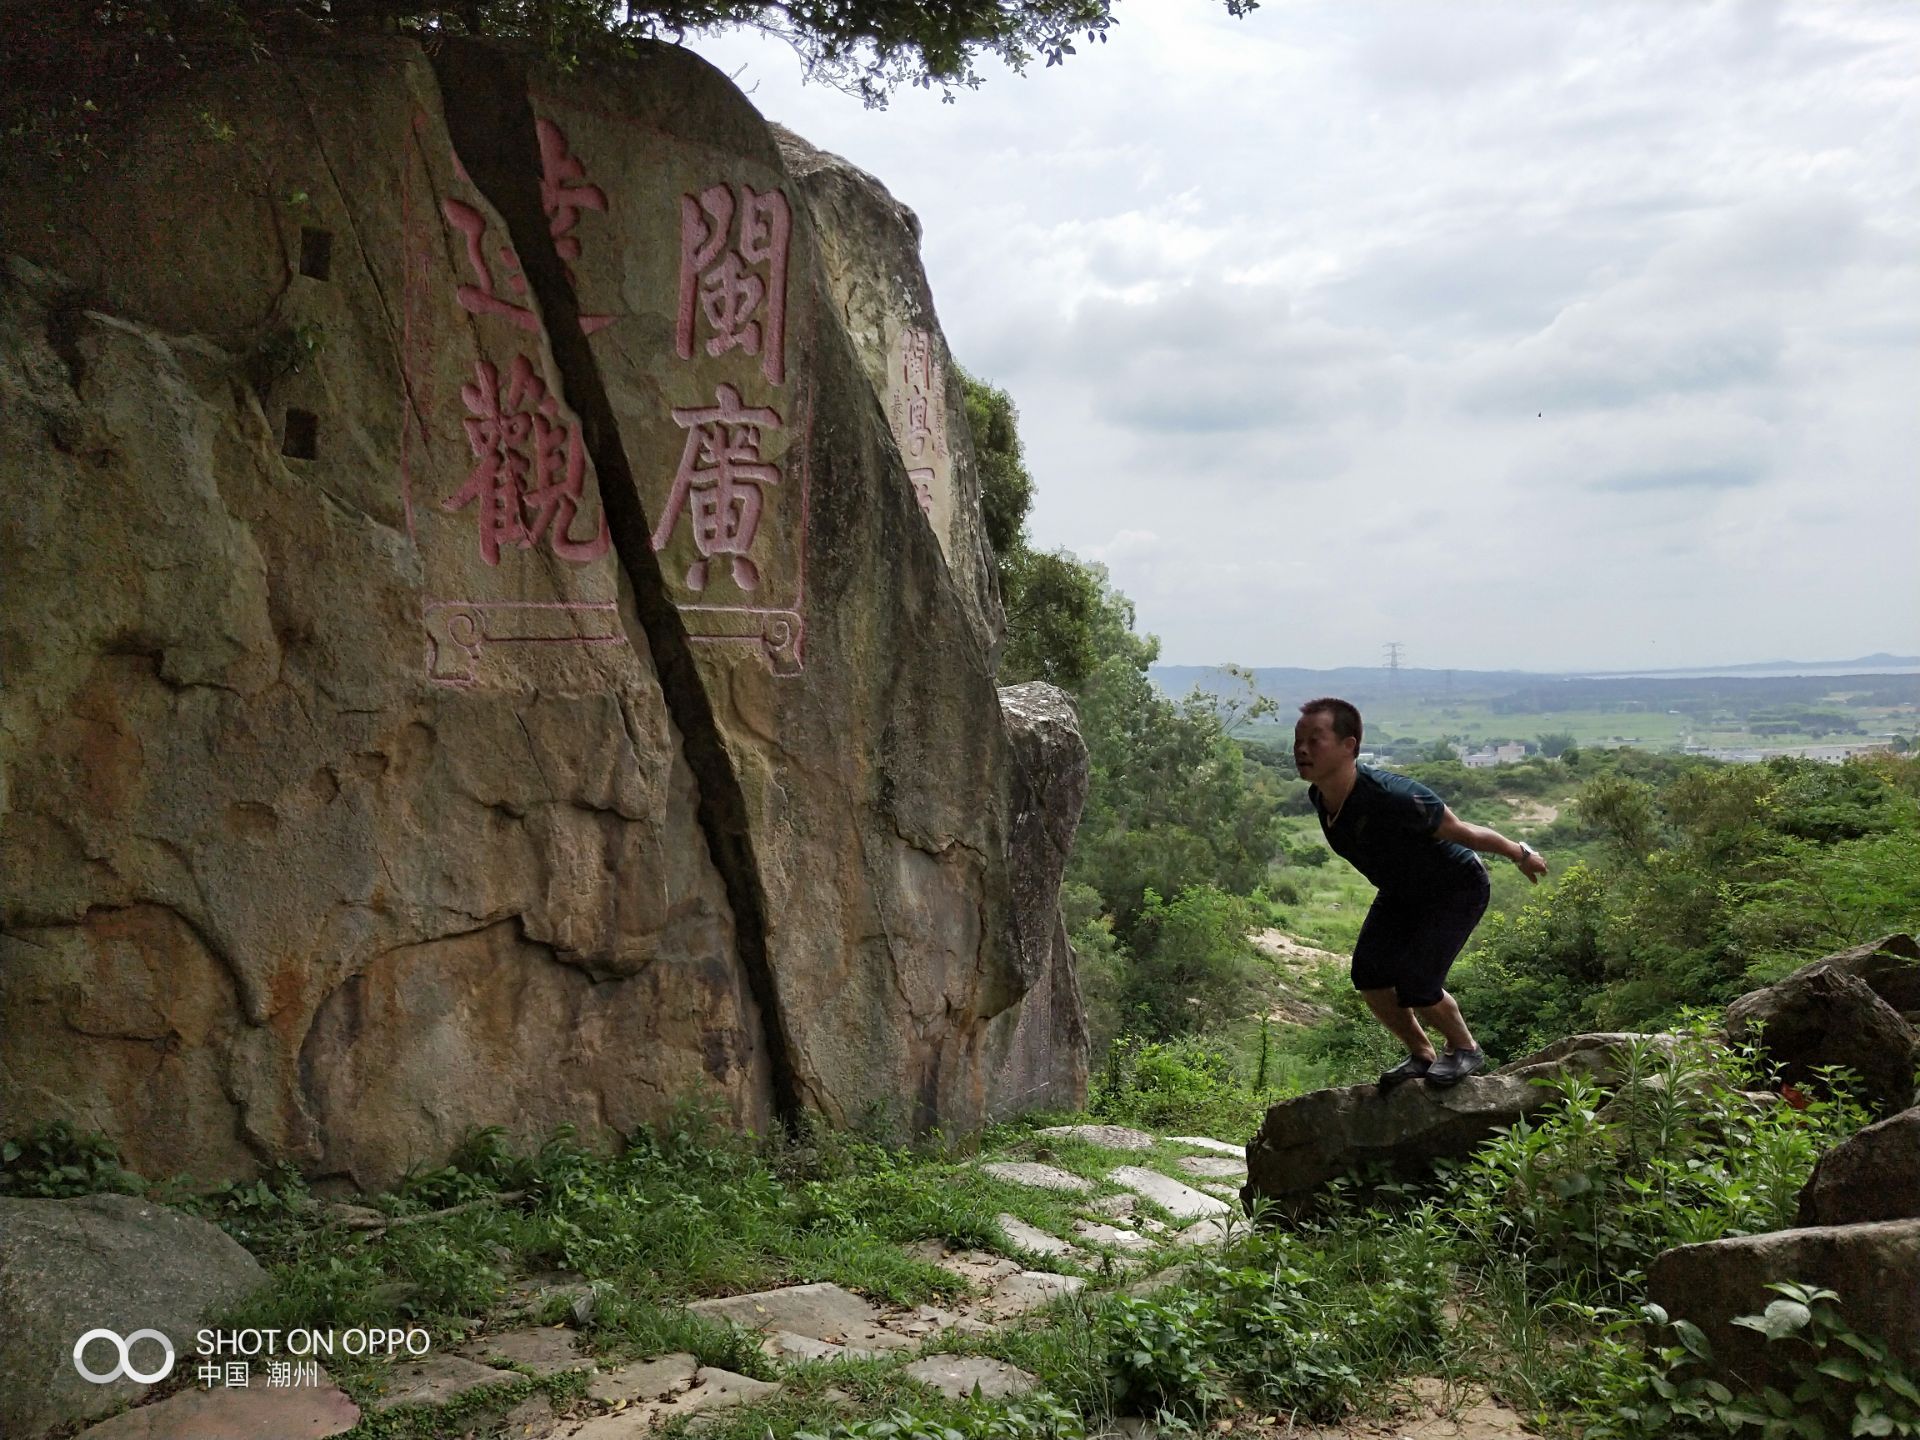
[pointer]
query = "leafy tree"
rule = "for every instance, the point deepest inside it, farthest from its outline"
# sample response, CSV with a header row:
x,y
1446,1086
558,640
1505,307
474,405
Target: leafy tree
x,y
1707,880
1006,486
1555,743
1174,806
70,65
1193,962
1241,704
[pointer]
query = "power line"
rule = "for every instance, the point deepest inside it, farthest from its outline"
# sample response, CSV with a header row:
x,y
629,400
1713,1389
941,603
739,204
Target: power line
x,y
1392,647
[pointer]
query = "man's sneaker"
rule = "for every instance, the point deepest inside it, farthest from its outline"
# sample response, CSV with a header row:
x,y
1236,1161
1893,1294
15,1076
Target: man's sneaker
x,y
1455,1065
1411,1068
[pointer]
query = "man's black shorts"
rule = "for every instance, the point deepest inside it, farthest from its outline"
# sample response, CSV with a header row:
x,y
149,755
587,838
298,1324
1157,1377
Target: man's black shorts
x,y
1410,941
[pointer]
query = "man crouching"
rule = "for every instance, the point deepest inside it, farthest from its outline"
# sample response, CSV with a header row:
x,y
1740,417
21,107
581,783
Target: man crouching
x,y
1433,889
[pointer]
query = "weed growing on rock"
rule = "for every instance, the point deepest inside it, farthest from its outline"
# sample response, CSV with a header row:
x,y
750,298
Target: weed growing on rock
x,y
55,1161
1692,1144
1846,1384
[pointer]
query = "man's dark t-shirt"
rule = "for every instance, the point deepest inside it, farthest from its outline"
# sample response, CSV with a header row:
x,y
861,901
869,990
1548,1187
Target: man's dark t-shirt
x,y
1385,831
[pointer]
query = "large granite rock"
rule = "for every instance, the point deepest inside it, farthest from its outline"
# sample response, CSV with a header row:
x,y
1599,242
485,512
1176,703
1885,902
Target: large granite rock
x,y
1305,1142
870,256
1871,1175
1890,967
1875,1269
1041,1046
102,1262
421,716
1824,1015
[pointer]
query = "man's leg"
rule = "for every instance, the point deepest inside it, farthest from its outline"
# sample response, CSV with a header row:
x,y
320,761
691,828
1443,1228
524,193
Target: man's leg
x,y
1444,1015
1404,1024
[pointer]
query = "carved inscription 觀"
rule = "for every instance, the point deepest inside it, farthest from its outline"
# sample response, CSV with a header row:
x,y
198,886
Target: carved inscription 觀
x,y
531,468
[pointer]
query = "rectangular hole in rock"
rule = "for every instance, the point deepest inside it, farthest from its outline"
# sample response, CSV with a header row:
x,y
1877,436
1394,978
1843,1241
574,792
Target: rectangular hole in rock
x,y
316,252
302,435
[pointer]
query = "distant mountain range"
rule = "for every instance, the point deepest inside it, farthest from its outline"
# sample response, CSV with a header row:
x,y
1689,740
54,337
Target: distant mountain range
x,y
1880,661
1279,680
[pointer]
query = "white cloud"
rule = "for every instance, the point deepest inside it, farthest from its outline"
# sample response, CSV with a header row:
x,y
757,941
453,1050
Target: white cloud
x,y
1528,336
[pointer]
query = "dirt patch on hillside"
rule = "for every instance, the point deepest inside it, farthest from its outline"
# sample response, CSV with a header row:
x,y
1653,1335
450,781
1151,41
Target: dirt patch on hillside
x,y
1298,961
1528,811
1294,955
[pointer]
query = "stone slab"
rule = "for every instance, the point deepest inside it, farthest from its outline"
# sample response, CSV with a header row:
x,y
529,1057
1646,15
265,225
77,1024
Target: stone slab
x,y
1110,1137
787,1345
1183,1202
1214,1167
531,1419
435,1379
645,1379
716,1389
295,1412
1115,1207
1028,1290
958,1376
543,1349
1112,1236
926,1320
1201,1142
820,1311
1036,1175
1032,1238
1212,1231
712,1390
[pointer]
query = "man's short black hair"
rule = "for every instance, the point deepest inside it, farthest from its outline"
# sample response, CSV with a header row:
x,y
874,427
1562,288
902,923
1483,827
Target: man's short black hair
x,y
1345,718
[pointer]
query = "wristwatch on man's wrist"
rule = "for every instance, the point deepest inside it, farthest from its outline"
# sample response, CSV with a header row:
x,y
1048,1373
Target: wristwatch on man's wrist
x,y
1525,851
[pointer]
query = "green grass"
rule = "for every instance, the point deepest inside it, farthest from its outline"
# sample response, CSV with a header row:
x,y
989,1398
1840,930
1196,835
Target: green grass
x,y
1319,1320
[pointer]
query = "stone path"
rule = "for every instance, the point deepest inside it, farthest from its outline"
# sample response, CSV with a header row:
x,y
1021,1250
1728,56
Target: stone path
x,y
1121,1222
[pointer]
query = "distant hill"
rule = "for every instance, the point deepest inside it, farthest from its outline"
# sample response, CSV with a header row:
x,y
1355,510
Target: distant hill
x,y
1358,682
1837,702
1879,662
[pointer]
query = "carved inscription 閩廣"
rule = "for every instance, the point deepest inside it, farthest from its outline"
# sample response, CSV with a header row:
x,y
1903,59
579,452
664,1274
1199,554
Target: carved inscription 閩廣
x,y
732,475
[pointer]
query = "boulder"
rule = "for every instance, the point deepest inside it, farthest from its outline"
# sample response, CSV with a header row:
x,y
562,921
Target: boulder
x,y
869,245
311,1410
1875,1268
1874,1174
103,1262
1307,1141
402,736
1824,1015
1041,1046
1890,966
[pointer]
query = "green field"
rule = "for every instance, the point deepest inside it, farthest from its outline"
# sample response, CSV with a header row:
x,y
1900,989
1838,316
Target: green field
x,y
1396,725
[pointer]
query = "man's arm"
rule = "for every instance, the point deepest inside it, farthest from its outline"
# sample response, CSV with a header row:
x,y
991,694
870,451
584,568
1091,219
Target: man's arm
x,y
1491,842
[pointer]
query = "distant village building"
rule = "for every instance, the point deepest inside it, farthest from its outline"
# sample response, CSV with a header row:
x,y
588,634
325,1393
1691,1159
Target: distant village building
x,y
1510,753
1831,754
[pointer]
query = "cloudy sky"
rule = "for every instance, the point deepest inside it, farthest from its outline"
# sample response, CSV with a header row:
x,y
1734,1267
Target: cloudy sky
x,y
1541,336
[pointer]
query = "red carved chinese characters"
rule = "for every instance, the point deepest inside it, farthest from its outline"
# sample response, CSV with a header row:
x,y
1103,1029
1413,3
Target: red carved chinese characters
x,y
922,482
723,282
531,470
483,299
721,473
564,193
